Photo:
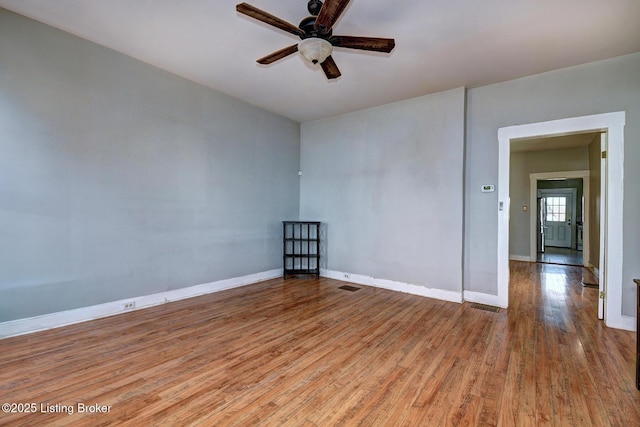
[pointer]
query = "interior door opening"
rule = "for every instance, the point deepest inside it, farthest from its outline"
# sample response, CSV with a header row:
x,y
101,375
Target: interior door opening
x,y
612,184
559,222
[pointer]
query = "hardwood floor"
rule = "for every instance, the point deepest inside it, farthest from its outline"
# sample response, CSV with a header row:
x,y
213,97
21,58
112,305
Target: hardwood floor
x,y
564,256
305,353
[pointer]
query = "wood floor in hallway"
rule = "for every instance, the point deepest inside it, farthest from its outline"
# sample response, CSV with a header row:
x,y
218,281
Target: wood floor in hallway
x,y
303,352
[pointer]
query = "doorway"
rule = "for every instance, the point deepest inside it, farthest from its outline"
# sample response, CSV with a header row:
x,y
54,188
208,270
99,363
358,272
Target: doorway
x,y
579,251
559,217
612,188
559,224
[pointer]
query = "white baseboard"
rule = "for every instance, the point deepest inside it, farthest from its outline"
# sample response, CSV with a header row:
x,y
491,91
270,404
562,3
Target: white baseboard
x,y
618,322
627,323
523,258
482,298
63,318
406,288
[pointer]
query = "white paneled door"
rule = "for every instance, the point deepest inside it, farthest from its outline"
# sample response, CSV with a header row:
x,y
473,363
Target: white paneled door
x,y
559,219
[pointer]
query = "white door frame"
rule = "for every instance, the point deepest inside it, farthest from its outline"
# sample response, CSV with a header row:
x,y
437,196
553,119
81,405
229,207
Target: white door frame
x,y
533,194
602,265
613,125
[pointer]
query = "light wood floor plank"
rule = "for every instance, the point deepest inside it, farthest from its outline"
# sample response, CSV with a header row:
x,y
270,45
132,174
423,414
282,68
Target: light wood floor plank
x,y
302,352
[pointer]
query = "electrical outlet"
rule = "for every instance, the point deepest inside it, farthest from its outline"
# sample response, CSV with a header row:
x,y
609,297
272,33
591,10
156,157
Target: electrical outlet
x,y
129,305
346,276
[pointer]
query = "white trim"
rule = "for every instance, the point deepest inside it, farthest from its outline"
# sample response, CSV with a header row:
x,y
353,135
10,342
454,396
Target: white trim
x,y
561,174
614,250
627,323
602,264
406,288
584,124
481,298
503,209
522,258
613,124
64,318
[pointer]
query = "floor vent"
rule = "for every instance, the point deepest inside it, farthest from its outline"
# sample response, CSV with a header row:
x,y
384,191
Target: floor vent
x,y
485,307
349,288
590,284
589,278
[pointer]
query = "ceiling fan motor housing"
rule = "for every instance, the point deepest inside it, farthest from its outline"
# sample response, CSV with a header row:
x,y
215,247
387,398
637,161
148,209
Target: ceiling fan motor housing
x,y
307,26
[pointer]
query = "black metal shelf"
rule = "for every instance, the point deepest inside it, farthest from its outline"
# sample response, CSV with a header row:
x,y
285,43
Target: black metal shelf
x,y
302,255
300,271
301,248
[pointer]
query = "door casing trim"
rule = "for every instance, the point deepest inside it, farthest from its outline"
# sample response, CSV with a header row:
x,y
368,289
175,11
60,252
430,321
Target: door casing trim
x,y
611,123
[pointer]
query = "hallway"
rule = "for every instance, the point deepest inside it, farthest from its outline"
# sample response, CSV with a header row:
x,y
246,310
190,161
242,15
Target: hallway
x,y
563,256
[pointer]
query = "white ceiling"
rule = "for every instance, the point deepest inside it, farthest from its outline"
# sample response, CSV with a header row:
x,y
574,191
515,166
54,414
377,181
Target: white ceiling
x,y
440,44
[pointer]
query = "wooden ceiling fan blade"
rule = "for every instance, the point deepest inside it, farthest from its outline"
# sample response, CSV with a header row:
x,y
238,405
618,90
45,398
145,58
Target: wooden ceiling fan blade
x,y
271,58
376,44
330,68
267,18
329,14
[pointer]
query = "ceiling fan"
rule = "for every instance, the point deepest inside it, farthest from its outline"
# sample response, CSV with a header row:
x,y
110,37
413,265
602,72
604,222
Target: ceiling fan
x,y
317,35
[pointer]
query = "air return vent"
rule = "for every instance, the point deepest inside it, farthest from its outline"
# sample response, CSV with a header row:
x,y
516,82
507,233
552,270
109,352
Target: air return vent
x,y
485,307
349,288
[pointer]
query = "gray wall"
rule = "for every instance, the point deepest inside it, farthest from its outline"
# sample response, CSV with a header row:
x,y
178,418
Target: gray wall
x,y
118,179
598,87
388,182
525,163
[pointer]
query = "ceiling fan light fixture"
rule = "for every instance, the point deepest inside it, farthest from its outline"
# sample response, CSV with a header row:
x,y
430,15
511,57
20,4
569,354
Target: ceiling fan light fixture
x,y
316,33
315,50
